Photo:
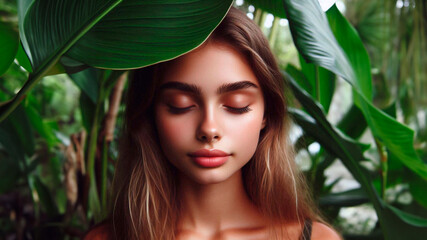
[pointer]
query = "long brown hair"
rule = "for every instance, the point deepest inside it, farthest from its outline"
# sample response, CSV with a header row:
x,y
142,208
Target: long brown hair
x,y
145,204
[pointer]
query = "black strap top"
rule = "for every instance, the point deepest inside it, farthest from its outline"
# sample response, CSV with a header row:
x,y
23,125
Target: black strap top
x,y
306,232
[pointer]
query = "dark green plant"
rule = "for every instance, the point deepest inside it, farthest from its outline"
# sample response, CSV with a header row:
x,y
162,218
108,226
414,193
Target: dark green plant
x,y
328,45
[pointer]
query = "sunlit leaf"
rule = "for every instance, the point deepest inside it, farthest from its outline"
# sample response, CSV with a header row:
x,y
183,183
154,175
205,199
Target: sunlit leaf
x,y
322,83
316,43
315,40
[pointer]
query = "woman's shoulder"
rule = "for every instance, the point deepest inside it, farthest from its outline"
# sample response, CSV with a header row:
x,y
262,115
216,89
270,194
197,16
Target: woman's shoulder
x,y
101,231
322,231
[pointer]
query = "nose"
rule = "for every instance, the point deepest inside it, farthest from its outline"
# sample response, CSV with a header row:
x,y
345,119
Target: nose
x,y
208,130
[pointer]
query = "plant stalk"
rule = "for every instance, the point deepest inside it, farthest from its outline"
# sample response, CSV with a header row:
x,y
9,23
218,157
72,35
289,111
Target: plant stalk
x,y
273,32
384,166
33,79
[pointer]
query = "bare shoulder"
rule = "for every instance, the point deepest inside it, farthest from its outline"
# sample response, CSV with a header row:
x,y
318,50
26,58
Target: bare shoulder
x,y
98,232
322,231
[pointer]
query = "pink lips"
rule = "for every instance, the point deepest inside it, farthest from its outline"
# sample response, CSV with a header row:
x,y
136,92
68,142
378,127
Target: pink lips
x,y
209,158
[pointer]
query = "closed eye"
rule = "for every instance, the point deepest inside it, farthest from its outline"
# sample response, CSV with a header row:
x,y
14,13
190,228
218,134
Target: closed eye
x,y
178,110
239,110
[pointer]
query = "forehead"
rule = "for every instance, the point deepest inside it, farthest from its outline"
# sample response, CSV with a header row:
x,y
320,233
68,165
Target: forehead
x,y
210,66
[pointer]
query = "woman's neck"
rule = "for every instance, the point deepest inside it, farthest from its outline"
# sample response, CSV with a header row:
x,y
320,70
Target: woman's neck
x,y
212,208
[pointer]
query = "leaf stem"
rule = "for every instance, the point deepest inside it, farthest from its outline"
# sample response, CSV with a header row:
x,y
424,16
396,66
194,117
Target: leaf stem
x,y
384,166
33,79
93,138
273,32
104,177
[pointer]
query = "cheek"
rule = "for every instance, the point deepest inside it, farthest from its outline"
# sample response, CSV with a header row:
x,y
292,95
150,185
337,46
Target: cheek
x,y
245,134
173,131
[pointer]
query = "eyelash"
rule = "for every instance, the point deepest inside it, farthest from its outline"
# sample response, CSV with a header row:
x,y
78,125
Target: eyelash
x,y
176,110
242,110
239,110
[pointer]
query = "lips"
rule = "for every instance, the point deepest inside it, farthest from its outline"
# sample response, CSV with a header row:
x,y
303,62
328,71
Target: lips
x,y
209,158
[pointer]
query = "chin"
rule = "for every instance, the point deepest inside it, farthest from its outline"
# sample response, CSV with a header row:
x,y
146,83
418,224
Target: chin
x,y
210,176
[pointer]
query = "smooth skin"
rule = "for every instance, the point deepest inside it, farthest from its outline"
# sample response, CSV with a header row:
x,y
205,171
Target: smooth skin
x,y
211,99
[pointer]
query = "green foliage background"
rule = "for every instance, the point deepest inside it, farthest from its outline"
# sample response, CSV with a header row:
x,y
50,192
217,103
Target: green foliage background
x,y
61,102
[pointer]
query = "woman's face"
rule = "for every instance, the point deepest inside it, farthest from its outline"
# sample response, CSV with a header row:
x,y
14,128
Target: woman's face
x,y
209,113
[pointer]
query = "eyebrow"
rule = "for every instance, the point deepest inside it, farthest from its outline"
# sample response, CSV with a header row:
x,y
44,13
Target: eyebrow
x,y
192,88
185,87
230,87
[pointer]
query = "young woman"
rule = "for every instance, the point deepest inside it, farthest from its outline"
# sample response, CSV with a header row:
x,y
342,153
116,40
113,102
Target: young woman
x,y
205,151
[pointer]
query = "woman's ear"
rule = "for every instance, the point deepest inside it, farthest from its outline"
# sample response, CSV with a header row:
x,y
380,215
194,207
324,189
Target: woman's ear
x,y
263,123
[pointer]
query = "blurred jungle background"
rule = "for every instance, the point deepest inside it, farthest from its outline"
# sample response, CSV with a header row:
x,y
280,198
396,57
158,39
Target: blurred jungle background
x,y
367,169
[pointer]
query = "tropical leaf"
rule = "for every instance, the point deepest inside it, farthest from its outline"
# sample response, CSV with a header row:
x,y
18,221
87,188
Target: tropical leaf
x,y
353,122
395,223
348,198
350,42
396,136
87,81
39,124
316,125
299,76
117,34
111,34
417,187
316,43
311,32
9,41
23,60
315,40
322,82
402,225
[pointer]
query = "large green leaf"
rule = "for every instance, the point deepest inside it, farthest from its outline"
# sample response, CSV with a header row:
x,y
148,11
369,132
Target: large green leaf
x,y
39,124
139,33
350,42
418,190
397,137
49,28
9,41
316,43
316,125
115,33
322,82
353,122
315,40
23,60
395,223
300,77
401,225
87,81
111,34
